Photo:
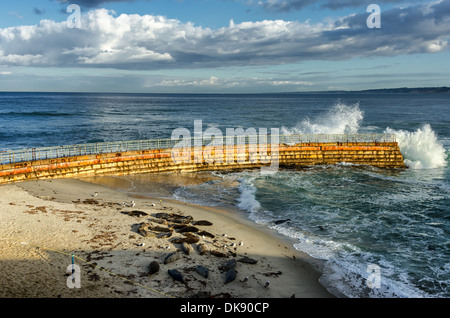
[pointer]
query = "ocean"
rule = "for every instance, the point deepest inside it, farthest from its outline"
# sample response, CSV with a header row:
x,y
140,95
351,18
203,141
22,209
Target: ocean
x,y
381,233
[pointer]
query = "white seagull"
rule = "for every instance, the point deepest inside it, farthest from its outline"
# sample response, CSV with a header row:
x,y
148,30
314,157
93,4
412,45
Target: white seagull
x,y
132,204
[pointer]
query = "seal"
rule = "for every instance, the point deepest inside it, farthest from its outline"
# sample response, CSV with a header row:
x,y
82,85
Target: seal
x,y
202,270
201,248
230,276
186,248
172,257
176,275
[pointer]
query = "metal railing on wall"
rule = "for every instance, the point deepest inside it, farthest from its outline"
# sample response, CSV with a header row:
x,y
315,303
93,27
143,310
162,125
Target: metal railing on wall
x,y
42,153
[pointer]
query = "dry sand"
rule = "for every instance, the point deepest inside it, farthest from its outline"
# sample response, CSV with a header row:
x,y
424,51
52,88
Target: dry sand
x,y
42,223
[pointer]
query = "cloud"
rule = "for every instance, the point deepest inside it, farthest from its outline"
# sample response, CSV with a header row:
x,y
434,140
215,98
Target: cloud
x,y
292,5
92,3
147,42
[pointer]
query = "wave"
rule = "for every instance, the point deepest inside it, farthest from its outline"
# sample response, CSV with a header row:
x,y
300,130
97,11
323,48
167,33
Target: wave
x,y
247,200
340,119
421,149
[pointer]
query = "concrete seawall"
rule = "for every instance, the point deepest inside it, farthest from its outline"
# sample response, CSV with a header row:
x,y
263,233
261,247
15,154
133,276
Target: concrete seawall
x,y
379,154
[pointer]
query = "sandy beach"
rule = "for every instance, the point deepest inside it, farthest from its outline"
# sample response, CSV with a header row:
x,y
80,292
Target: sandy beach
x,y
44,223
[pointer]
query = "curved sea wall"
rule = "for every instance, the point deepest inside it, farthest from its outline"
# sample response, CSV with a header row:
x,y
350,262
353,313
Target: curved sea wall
x,y
379,154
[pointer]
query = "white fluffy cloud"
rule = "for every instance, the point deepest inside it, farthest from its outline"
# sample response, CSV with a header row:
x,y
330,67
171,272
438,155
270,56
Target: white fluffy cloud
x,y
155,42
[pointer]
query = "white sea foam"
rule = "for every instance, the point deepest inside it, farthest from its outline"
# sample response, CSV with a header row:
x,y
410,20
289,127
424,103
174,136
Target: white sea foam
x,y
247,200
340,119
421,149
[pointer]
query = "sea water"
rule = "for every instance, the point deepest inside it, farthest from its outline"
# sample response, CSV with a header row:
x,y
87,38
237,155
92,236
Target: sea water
x,y
381,233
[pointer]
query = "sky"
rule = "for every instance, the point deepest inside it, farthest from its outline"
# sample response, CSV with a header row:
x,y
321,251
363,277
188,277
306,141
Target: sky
x,y
222,46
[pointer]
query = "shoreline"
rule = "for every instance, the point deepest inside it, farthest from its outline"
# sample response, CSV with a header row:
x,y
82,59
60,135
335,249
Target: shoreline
x,y
63,218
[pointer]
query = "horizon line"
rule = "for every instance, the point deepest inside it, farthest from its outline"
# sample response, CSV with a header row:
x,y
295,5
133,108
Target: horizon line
x,y
447,88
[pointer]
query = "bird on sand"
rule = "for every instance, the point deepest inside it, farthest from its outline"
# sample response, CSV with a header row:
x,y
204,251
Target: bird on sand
x,y
131,204
266,284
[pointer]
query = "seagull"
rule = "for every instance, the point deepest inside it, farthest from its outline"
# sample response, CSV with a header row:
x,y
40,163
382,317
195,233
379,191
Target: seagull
x,y
94,195
266,284
241,243
224,234
245,280
132,204
142,244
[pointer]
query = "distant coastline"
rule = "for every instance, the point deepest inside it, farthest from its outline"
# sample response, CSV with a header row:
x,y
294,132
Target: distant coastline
x,y
400,90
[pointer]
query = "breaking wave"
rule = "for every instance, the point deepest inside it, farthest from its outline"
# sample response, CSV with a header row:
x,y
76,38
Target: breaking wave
x,y
421,149
340,119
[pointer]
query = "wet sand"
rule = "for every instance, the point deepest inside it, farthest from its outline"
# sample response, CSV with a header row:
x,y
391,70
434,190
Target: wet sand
x,y
44,222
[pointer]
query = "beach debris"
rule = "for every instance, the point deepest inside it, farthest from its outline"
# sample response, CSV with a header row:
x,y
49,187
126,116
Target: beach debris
x,y
202,270
186,248
153,268
202,222
172,257
201,248
176,275
247,260
141,244
230,275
